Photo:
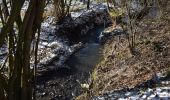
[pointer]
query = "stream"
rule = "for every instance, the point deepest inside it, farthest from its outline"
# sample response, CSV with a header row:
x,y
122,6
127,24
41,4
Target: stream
x,y
64,84
84,60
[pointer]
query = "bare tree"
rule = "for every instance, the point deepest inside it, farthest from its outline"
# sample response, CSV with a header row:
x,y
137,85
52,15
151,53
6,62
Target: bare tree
x,y
18,84
62,9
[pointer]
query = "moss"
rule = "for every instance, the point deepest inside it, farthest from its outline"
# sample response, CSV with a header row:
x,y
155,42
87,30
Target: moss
x,y
83,96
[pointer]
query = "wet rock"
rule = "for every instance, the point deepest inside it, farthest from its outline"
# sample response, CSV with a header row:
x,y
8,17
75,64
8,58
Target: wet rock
x,y
109,32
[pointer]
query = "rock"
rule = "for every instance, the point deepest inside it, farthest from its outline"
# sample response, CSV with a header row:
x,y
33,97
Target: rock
x,y
109,32
76,47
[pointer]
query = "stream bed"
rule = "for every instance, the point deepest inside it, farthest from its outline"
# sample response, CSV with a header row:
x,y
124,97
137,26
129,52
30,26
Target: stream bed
x,y
86,58
65,84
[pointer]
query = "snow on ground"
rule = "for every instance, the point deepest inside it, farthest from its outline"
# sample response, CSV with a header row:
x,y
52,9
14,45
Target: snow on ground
x,y
84,11
159,92
53,49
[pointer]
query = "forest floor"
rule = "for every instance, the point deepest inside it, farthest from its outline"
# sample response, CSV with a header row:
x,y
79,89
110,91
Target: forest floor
x,y
141,75
145,74
121,71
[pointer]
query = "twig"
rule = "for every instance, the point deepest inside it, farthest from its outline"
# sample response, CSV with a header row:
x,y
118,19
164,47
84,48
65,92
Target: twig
x,y
3,65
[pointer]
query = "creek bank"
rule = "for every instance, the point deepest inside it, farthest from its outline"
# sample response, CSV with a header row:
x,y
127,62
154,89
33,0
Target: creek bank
x,y
62,84
56,78
76,28
69,36
126,76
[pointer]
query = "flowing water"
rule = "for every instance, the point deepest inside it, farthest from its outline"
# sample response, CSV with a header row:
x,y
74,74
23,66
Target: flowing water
x,y
86,58
82,63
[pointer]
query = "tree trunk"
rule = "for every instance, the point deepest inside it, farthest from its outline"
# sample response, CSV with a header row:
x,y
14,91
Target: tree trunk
x,y
88,4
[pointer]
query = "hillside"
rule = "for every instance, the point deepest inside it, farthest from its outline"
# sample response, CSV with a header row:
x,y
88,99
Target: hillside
x,y
123,70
